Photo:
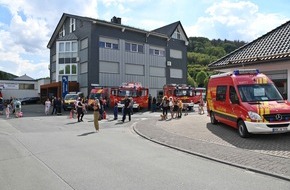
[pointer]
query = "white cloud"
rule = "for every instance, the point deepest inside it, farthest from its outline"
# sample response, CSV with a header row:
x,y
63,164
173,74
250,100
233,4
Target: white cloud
x,y
234,21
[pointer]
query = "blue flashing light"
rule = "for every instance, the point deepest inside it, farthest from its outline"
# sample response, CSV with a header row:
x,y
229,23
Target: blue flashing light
x,y
246,71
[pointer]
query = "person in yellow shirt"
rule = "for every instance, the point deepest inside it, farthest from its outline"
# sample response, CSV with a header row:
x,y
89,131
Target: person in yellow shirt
x,y
180,106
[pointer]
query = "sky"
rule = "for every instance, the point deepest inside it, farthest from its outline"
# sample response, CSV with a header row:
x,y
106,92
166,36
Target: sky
x,y
26,26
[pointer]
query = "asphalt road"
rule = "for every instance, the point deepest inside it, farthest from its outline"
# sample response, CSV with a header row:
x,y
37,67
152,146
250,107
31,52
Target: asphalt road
x,y
55,152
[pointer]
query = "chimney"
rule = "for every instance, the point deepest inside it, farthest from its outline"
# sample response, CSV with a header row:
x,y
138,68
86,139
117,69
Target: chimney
x,y
116,20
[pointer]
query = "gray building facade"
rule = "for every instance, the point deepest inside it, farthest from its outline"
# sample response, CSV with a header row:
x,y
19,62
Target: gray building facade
x,y
92,51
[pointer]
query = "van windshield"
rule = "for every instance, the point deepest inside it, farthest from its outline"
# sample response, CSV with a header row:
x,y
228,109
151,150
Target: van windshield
x,y
95,96
183,92
259,92
129,93
71,97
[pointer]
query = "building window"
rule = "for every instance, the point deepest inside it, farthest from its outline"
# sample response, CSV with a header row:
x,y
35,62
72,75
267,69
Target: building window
x,y
157,52
62,32
177,34
176,73
132,47
132,69
176,54
108,43
67,58
26,86
84,43
72,25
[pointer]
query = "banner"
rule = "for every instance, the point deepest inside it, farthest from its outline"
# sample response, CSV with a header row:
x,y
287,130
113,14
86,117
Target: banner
x,y
64,85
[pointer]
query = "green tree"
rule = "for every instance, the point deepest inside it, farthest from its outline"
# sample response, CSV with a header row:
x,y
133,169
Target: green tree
x,y
191,81
200,78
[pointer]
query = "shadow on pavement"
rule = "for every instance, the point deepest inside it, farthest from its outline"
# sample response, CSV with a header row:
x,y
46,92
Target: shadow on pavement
x,y
85,134
271,142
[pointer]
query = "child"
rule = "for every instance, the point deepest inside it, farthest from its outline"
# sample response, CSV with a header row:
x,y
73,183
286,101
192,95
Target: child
x,y
7,110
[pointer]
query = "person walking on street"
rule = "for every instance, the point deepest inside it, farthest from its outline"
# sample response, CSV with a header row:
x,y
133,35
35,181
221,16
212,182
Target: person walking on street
x,y
80,110
154,101
165,106
53,106
200,107
180,107
126,109
96,108
149,102
58,105
115,109
47,105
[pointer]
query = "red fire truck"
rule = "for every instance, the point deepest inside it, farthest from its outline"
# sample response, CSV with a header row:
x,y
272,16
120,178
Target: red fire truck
x,y
131,89
98,92
188,95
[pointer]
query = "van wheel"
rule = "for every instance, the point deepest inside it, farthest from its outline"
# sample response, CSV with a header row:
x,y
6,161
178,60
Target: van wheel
x,y
243,131
212,118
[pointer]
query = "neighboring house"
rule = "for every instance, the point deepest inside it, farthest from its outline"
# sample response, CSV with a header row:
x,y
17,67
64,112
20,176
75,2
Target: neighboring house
x,y
20,87
91,51
269,53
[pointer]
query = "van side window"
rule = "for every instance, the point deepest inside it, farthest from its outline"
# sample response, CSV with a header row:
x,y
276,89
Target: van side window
x,y
221,93
233,95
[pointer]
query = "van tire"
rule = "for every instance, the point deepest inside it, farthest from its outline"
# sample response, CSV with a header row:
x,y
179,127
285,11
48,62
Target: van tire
x,y
242,129
212,118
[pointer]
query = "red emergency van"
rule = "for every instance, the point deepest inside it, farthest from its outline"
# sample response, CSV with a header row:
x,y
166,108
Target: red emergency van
x,y
249,101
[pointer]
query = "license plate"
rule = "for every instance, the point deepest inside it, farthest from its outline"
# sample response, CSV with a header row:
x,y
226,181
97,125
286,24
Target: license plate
x,y
279,129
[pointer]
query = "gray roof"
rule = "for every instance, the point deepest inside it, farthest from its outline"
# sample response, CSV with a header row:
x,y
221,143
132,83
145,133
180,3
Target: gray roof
x,y
24,77
274,45
169,29
110,24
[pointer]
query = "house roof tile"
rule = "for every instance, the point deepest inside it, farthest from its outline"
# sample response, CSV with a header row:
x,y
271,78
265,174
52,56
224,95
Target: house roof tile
x,y
273,45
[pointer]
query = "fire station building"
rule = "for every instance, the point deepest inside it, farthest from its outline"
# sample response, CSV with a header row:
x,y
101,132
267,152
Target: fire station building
x,y
91,51
269,53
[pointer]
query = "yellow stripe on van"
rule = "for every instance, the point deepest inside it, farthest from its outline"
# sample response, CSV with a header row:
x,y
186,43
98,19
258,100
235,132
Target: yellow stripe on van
x,y
224,113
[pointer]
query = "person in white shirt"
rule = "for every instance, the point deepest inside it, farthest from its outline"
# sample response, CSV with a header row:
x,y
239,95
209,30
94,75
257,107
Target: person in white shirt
x,y
47,105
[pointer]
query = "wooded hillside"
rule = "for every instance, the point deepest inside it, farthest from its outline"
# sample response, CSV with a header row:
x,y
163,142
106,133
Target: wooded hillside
x,y
201,52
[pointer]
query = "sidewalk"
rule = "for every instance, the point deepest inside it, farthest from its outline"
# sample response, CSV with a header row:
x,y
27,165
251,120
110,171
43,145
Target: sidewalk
x,y
194,134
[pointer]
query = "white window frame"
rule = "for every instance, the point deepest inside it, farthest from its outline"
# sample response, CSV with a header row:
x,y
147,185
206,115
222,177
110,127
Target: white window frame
x,y
137,47
62,31
72,25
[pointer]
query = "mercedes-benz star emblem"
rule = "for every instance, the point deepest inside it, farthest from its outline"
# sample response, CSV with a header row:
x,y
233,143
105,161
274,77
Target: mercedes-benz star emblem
x,y
279,117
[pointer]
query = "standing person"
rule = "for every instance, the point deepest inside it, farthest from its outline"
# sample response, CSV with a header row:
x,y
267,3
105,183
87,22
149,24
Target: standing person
x,y
115,109
101,107
149,102
53,105
58,105
171,106
47,105
126,109
96,108
7,110
154,101
17,105
80,110
165,105
131,105
175,108
180,106
200,107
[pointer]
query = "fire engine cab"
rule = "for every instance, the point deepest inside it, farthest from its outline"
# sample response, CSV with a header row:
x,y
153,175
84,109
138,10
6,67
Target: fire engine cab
x,y
131,89
249,101
187,94
97,92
